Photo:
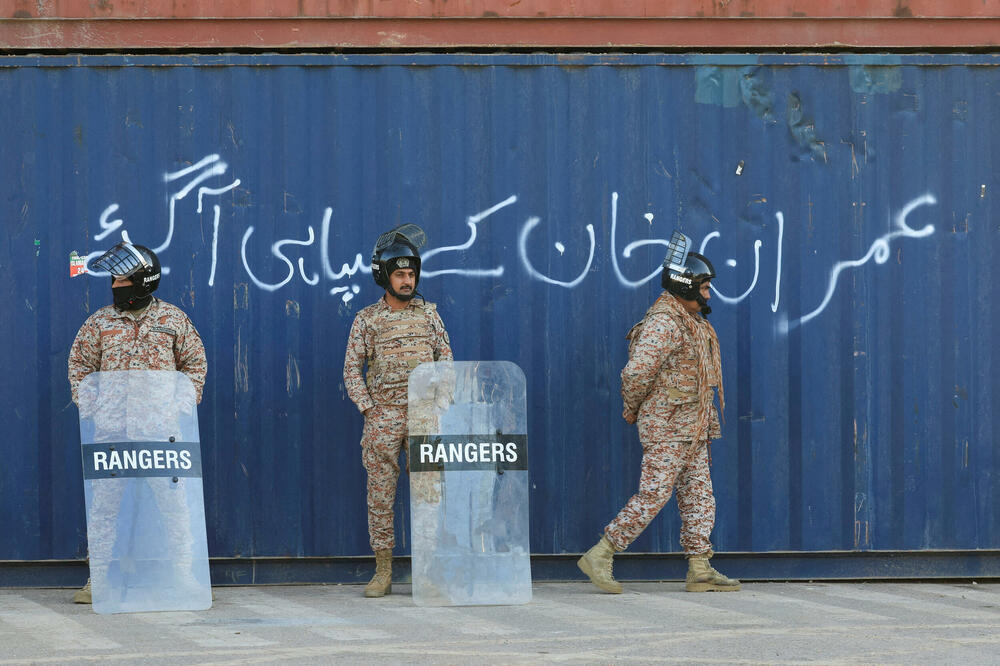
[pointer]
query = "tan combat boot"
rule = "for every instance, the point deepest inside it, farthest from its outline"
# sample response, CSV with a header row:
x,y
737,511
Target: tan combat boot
x,y
701,577
596,563
381,582
82,595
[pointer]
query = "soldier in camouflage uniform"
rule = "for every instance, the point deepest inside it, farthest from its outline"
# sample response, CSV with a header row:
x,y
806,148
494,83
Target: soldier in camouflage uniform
x,y
392,337
667,386
137,332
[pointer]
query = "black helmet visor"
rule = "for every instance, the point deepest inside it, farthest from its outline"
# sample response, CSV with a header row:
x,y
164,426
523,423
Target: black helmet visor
x,y
407,233
121,261
398,250
699,266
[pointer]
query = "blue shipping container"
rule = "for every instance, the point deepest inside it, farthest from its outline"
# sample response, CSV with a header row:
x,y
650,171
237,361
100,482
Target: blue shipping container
x,y
847,202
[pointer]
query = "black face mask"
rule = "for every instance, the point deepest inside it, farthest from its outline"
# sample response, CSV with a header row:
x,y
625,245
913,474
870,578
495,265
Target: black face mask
x,y
125,299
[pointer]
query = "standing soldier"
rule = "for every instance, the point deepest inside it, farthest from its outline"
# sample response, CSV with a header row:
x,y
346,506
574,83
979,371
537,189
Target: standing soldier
x,y
393,336
137,332
673,366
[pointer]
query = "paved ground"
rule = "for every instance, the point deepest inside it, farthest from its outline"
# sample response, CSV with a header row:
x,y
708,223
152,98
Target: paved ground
x,y
833,623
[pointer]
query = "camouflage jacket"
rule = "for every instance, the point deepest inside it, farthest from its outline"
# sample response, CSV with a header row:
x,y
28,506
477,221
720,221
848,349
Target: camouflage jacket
x,y
162,338
392,343
660,382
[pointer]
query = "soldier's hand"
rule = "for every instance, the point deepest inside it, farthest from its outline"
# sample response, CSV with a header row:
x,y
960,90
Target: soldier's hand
x,y
442,401
629,418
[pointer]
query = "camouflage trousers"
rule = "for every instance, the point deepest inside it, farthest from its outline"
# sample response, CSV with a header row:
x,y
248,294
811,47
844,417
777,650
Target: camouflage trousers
x,y
385,436
665,466
103,519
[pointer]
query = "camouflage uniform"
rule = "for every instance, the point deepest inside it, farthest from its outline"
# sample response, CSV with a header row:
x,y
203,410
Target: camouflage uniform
x,y
673,367
392,343
161,337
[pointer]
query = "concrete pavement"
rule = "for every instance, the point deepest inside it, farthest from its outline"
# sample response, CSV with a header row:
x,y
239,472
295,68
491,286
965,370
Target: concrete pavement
x,y
833,623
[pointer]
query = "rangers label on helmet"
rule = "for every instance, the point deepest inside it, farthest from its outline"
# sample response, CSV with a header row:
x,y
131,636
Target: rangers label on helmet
x,y
150,278
680,278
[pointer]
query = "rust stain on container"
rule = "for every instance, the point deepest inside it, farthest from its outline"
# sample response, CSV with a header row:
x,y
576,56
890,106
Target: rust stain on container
x,y
241,296
293,381
392,24
298,33
493,9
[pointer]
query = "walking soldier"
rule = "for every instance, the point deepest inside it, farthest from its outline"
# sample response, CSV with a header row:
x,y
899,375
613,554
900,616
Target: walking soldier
x,y
667,387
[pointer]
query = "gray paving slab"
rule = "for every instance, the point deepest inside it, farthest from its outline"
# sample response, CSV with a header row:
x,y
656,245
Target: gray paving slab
x,y
765,623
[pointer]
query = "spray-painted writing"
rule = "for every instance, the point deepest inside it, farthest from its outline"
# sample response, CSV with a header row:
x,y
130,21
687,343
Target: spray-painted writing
x,y
297,264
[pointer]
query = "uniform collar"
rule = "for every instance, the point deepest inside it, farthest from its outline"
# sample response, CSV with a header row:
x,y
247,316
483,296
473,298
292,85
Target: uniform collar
x,y
676,302
126,314
384,305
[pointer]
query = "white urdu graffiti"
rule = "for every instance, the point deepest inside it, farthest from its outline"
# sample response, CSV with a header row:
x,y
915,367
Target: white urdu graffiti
x,y
212,166
472,221
879,251
522,248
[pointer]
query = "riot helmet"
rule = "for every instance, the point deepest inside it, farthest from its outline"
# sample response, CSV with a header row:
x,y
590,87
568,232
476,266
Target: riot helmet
x,y
395,249
685,271
136,263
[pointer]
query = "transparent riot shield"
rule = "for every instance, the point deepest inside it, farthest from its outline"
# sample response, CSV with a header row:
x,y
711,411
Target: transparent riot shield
x,y
142,480
469,484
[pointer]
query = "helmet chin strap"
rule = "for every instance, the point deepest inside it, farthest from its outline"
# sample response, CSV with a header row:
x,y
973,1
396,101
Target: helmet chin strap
x,y
703,304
